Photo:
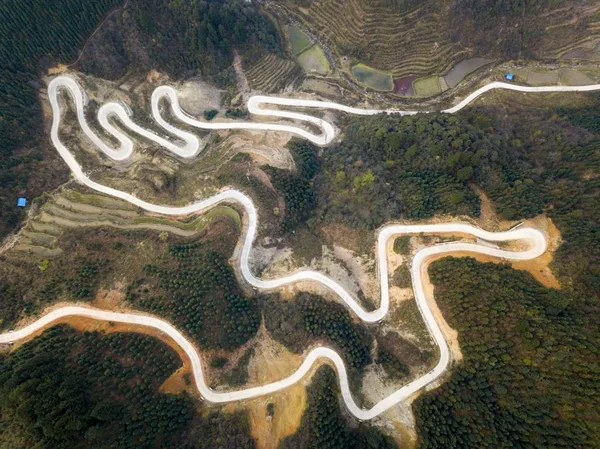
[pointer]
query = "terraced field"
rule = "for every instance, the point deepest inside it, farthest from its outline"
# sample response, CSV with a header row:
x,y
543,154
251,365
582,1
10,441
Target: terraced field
x,y
431,37
560,36
404,44
272,73
71,209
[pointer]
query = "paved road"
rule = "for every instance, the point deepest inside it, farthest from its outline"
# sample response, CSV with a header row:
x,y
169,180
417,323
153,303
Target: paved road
x,y
533,238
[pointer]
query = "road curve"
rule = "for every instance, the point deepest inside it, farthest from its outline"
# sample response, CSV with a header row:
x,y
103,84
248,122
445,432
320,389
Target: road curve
x,y
534,239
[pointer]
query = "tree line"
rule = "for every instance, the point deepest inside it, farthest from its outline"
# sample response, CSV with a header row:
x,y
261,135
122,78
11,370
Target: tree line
x,y
296,186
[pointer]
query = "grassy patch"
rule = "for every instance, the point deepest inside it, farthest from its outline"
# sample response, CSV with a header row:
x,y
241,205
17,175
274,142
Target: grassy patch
x,y
299,40
573,78
426,87
401,277
408,317
373,78
538,78
96,200
402,245
314,60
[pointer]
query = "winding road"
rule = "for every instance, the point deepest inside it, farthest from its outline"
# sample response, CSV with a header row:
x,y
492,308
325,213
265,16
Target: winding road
x,y
534,239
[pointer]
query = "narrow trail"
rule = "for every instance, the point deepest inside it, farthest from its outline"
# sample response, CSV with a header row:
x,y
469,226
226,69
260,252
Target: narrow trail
x,y
534,239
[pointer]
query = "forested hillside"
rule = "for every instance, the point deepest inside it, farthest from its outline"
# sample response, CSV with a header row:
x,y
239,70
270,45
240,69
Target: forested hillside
x,y
197,37
531,371
199,294
531,363
309,318
387,167
524,344
71,390
325,427
34,34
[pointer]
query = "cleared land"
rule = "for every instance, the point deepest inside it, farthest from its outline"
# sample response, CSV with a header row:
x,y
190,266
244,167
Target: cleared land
x,y
72,209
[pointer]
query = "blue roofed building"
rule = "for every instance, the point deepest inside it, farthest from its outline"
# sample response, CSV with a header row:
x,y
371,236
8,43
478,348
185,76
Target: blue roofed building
x,y
510,76
21,202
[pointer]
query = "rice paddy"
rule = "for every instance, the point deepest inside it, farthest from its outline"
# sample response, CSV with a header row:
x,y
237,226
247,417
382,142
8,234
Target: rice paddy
x,y
373,78
299,40
426,87
314,60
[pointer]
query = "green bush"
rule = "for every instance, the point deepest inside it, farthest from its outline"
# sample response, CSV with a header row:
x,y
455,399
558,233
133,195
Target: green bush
x,y
210,114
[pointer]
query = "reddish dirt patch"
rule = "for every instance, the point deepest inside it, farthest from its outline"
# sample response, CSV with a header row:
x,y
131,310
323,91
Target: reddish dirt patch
x,y
404,86
271,362
179,381
109,299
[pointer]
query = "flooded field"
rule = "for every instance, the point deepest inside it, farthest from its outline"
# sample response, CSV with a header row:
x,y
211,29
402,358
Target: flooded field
x,y
462,69
373,78
299,40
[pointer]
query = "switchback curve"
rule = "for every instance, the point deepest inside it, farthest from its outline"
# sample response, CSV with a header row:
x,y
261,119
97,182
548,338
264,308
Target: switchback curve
x,y
534,238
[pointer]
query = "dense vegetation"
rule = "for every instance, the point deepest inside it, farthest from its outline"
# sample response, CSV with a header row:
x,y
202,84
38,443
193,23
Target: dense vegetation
x,y
568,164
309,318
323,425
295,187
537,368
402,245
33,33
199,294
531,363
526,163
587,117
388,167
67,389
197,37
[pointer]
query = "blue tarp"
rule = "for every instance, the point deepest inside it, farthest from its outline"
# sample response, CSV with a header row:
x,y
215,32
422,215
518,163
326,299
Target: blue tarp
x,y
510,76
22,202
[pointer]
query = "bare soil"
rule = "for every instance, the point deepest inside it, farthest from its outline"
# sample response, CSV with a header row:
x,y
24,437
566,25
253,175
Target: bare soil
x,y
271,362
